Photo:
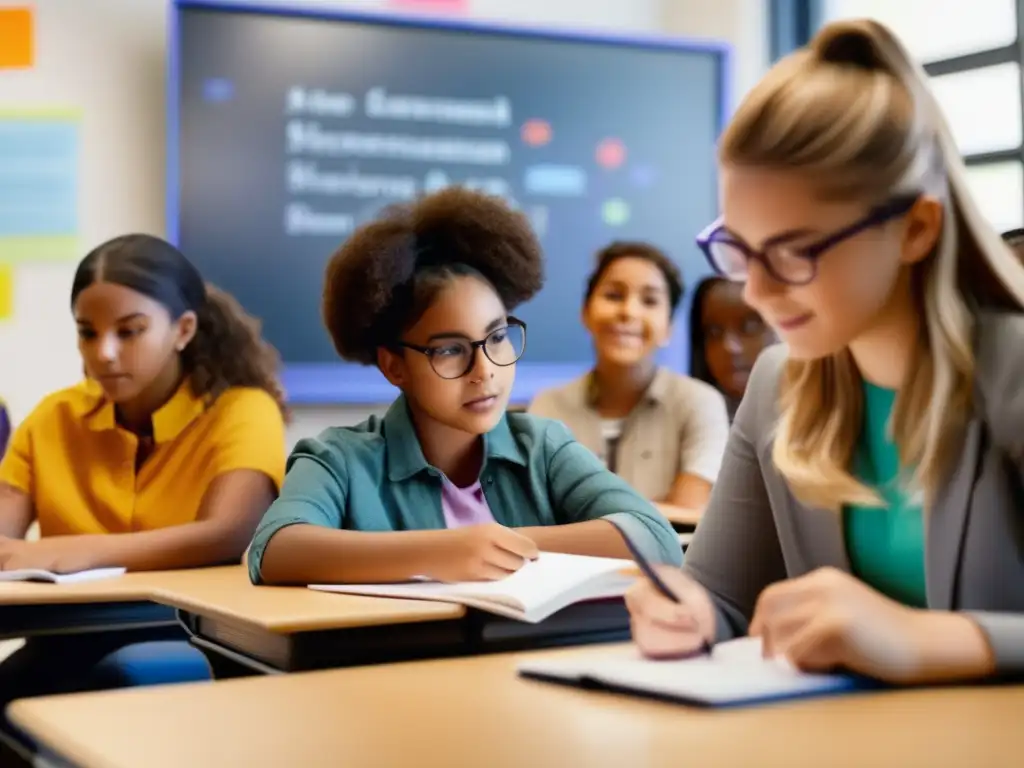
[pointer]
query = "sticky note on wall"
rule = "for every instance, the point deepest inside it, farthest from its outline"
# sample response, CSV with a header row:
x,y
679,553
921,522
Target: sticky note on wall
x,y
6,292
16,38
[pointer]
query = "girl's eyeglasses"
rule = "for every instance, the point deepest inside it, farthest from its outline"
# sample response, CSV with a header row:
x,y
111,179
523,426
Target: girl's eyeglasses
x,y
787,263
454,359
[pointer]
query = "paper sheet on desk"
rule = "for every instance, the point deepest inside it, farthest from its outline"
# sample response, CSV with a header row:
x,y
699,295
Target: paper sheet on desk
x,y
38,574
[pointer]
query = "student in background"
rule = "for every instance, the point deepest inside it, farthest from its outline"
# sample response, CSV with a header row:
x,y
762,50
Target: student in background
x,y
663,432
447,484
726,337
867,515
166,456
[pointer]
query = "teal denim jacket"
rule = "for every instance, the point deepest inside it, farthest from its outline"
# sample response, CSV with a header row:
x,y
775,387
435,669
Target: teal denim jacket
x,y
374,477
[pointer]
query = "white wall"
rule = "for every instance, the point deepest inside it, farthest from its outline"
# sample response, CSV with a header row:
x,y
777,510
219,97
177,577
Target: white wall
x,y
106,57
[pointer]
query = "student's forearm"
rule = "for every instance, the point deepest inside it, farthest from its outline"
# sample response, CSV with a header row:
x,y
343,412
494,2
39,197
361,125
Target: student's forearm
x,y
688,492
953,647
312,554
16,512
192,545
598,538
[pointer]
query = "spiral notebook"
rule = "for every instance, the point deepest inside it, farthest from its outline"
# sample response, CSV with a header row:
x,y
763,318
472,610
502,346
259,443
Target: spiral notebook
x,y
733,674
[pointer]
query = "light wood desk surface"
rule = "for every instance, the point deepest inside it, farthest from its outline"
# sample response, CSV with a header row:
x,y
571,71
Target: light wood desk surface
x,y
226,593
475,711
128,588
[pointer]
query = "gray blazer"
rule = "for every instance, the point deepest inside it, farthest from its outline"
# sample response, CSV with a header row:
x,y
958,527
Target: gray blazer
x,y
754,532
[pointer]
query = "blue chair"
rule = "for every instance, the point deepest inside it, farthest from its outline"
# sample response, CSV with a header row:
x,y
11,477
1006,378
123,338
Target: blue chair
x,y
158,662
5,428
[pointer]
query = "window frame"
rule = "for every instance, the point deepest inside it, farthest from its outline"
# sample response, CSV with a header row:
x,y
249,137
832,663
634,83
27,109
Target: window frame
x,y
792,23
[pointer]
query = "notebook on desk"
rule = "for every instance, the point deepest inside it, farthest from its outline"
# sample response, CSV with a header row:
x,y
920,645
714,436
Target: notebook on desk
x,y
539,589
51,577
733,674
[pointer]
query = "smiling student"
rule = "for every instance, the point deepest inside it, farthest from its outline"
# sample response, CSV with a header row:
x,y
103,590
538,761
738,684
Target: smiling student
x,y
868,513
447,484
663,432
164,457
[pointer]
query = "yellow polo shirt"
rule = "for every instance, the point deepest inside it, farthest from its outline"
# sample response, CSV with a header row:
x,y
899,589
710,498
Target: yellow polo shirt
x,y
78,466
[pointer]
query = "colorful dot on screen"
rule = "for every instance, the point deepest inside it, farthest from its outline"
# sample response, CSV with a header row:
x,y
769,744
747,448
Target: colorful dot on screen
x,y
643,175
536,132
615,212
611,153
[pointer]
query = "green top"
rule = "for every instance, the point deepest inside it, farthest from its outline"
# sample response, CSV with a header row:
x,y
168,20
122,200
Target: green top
x,y
374,477
886,546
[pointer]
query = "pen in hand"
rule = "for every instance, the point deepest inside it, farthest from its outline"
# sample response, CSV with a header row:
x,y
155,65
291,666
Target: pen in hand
x,y
648,570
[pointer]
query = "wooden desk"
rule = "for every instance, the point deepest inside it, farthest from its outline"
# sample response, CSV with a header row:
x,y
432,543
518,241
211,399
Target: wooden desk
x,y
28,609
269,629
244,629
473,712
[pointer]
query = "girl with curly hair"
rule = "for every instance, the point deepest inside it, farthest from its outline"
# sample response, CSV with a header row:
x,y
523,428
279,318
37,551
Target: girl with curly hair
x,y
447,484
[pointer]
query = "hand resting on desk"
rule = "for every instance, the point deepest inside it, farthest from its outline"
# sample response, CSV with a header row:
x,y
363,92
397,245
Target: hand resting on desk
x,y
481,553
825,620
60,554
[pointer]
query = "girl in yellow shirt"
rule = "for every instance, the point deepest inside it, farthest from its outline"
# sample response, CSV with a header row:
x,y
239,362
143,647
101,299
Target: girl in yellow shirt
x,y
166,456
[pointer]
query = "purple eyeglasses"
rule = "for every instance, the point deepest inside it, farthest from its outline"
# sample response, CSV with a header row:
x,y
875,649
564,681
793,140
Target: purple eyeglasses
x,y
790,264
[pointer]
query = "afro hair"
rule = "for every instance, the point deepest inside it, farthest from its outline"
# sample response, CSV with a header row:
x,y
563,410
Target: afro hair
x,y
382,279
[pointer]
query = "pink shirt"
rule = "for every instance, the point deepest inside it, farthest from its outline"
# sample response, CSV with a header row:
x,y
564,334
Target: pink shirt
x,y
464,506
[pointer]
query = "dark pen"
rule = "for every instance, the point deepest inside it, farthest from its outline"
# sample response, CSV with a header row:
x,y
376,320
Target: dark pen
x,y
660,585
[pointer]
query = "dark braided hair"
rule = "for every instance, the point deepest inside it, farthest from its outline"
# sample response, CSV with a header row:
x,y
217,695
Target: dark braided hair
x,y
385,276
227,349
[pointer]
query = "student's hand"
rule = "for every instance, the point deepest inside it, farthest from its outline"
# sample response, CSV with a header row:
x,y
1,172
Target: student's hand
x,y
60,554
663,629
481,553
829,619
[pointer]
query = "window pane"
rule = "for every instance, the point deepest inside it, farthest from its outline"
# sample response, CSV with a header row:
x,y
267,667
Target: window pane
x,y
937,29
982,107
999,190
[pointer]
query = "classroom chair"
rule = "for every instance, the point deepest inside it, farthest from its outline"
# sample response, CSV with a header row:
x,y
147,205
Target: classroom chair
x,y
158,662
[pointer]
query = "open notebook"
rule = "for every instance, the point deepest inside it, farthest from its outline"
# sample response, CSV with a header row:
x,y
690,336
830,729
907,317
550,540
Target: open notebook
x,y
534,592
733,674
37,574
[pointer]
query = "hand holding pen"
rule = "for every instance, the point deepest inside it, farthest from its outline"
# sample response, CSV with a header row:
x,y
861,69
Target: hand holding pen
x,y
671,615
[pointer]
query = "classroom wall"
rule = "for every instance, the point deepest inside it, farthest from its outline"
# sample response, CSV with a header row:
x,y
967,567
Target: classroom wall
x,y
106,58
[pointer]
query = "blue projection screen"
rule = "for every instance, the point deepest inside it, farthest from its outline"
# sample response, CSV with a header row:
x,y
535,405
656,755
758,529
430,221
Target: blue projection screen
x,y
288,129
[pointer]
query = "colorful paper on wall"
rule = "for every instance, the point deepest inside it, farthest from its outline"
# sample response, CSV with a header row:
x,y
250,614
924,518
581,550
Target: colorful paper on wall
x,y
16,38
6,292
39,170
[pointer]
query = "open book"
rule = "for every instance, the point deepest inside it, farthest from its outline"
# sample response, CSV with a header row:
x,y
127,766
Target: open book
x,y
531,594
733,674
37,574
